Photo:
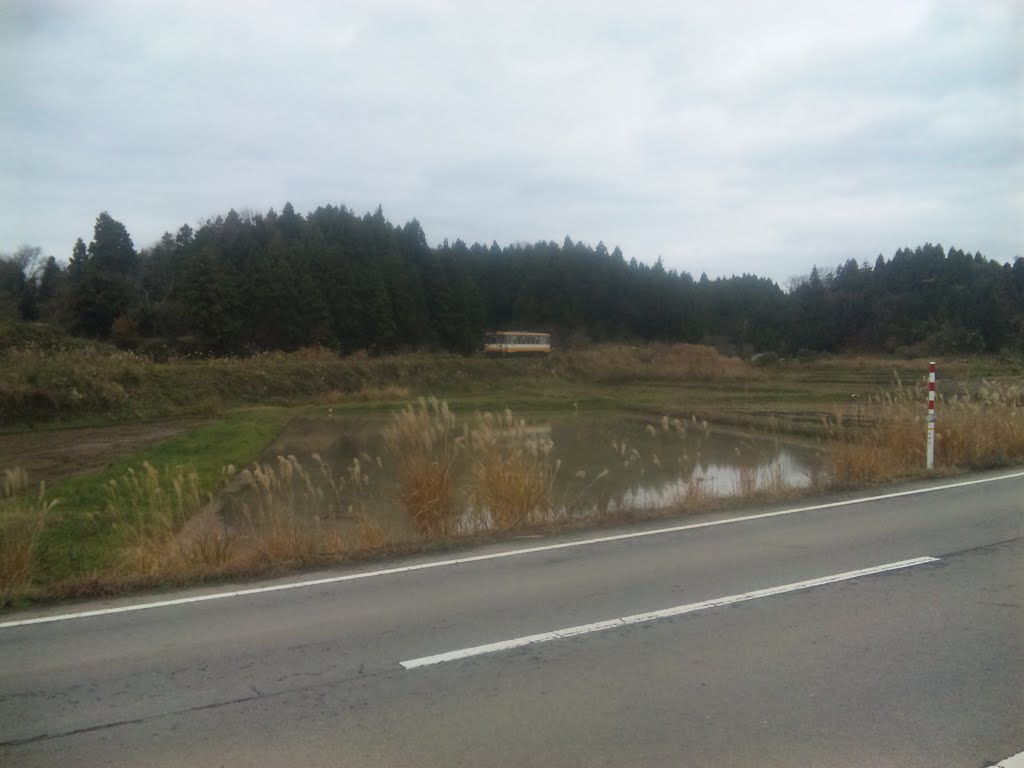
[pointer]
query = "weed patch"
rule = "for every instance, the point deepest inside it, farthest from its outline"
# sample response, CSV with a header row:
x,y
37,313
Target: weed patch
x,y
14,481
101,514
976,427
512,472
424,442
150,508
20,532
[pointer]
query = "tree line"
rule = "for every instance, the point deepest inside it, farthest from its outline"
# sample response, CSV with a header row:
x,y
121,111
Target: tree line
x,y
240,284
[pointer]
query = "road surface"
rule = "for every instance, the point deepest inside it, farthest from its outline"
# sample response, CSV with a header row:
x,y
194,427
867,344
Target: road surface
x,y
851,632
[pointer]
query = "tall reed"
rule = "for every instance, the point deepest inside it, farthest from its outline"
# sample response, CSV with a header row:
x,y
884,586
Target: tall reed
x,y
271,513
982,426
512,471
286,513
151,509
494,474
976,427
20,532
424,440
15,480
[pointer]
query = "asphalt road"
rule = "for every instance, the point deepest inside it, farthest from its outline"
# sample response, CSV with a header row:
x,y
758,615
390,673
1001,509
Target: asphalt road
x,y
919,665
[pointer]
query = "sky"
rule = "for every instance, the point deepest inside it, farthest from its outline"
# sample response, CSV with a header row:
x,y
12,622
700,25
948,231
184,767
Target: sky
x,y
723,137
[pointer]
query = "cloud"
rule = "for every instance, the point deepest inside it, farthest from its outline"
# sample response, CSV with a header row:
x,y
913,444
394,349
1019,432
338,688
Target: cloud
x,y
744,137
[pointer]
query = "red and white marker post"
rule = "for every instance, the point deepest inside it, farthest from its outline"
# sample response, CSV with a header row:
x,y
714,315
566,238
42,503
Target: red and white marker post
x,y
931,415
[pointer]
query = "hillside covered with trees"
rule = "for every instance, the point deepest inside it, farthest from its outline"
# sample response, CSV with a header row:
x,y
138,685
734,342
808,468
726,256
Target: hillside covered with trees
x,y
242,284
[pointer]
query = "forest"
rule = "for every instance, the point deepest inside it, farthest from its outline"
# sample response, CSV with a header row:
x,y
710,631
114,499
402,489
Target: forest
x,y
244,284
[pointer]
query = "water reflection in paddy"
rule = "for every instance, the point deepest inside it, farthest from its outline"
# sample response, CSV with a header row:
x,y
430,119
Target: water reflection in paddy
x,y
603,462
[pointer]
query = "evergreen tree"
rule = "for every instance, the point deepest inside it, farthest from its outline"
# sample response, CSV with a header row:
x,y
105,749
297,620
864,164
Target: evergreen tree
x,y
245,282
103,283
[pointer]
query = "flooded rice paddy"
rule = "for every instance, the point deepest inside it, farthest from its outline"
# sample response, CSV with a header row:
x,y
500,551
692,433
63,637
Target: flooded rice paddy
x,y
593,465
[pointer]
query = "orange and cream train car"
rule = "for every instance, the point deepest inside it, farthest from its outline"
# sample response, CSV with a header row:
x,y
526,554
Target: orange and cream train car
x,y
517,343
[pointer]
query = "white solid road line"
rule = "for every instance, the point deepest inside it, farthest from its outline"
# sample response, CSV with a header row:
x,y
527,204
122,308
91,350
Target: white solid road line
x,y
495,555
1017,761
665,613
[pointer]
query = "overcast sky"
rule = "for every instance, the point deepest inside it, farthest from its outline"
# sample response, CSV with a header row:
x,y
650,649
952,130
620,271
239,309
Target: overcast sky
x,y
725,137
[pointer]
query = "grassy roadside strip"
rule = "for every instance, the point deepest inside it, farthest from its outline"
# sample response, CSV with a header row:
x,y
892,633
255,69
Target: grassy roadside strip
x,y
79,537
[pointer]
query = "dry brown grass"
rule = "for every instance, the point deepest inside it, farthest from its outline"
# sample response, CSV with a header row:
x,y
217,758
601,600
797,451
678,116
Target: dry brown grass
x,y
423,439
285,513
15,481
685,362
270,514
747,481
695,495
878,452
702,363
496,474
512,472
151,508
982,427
274,512
371,534
906,365
975,429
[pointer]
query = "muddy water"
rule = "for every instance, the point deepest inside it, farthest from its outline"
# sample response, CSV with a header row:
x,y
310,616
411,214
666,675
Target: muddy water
x,y
604,462
621,462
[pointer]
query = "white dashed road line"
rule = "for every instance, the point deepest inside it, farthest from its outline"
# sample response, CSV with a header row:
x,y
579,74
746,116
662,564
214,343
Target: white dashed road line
x,y
641,618
1017,761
